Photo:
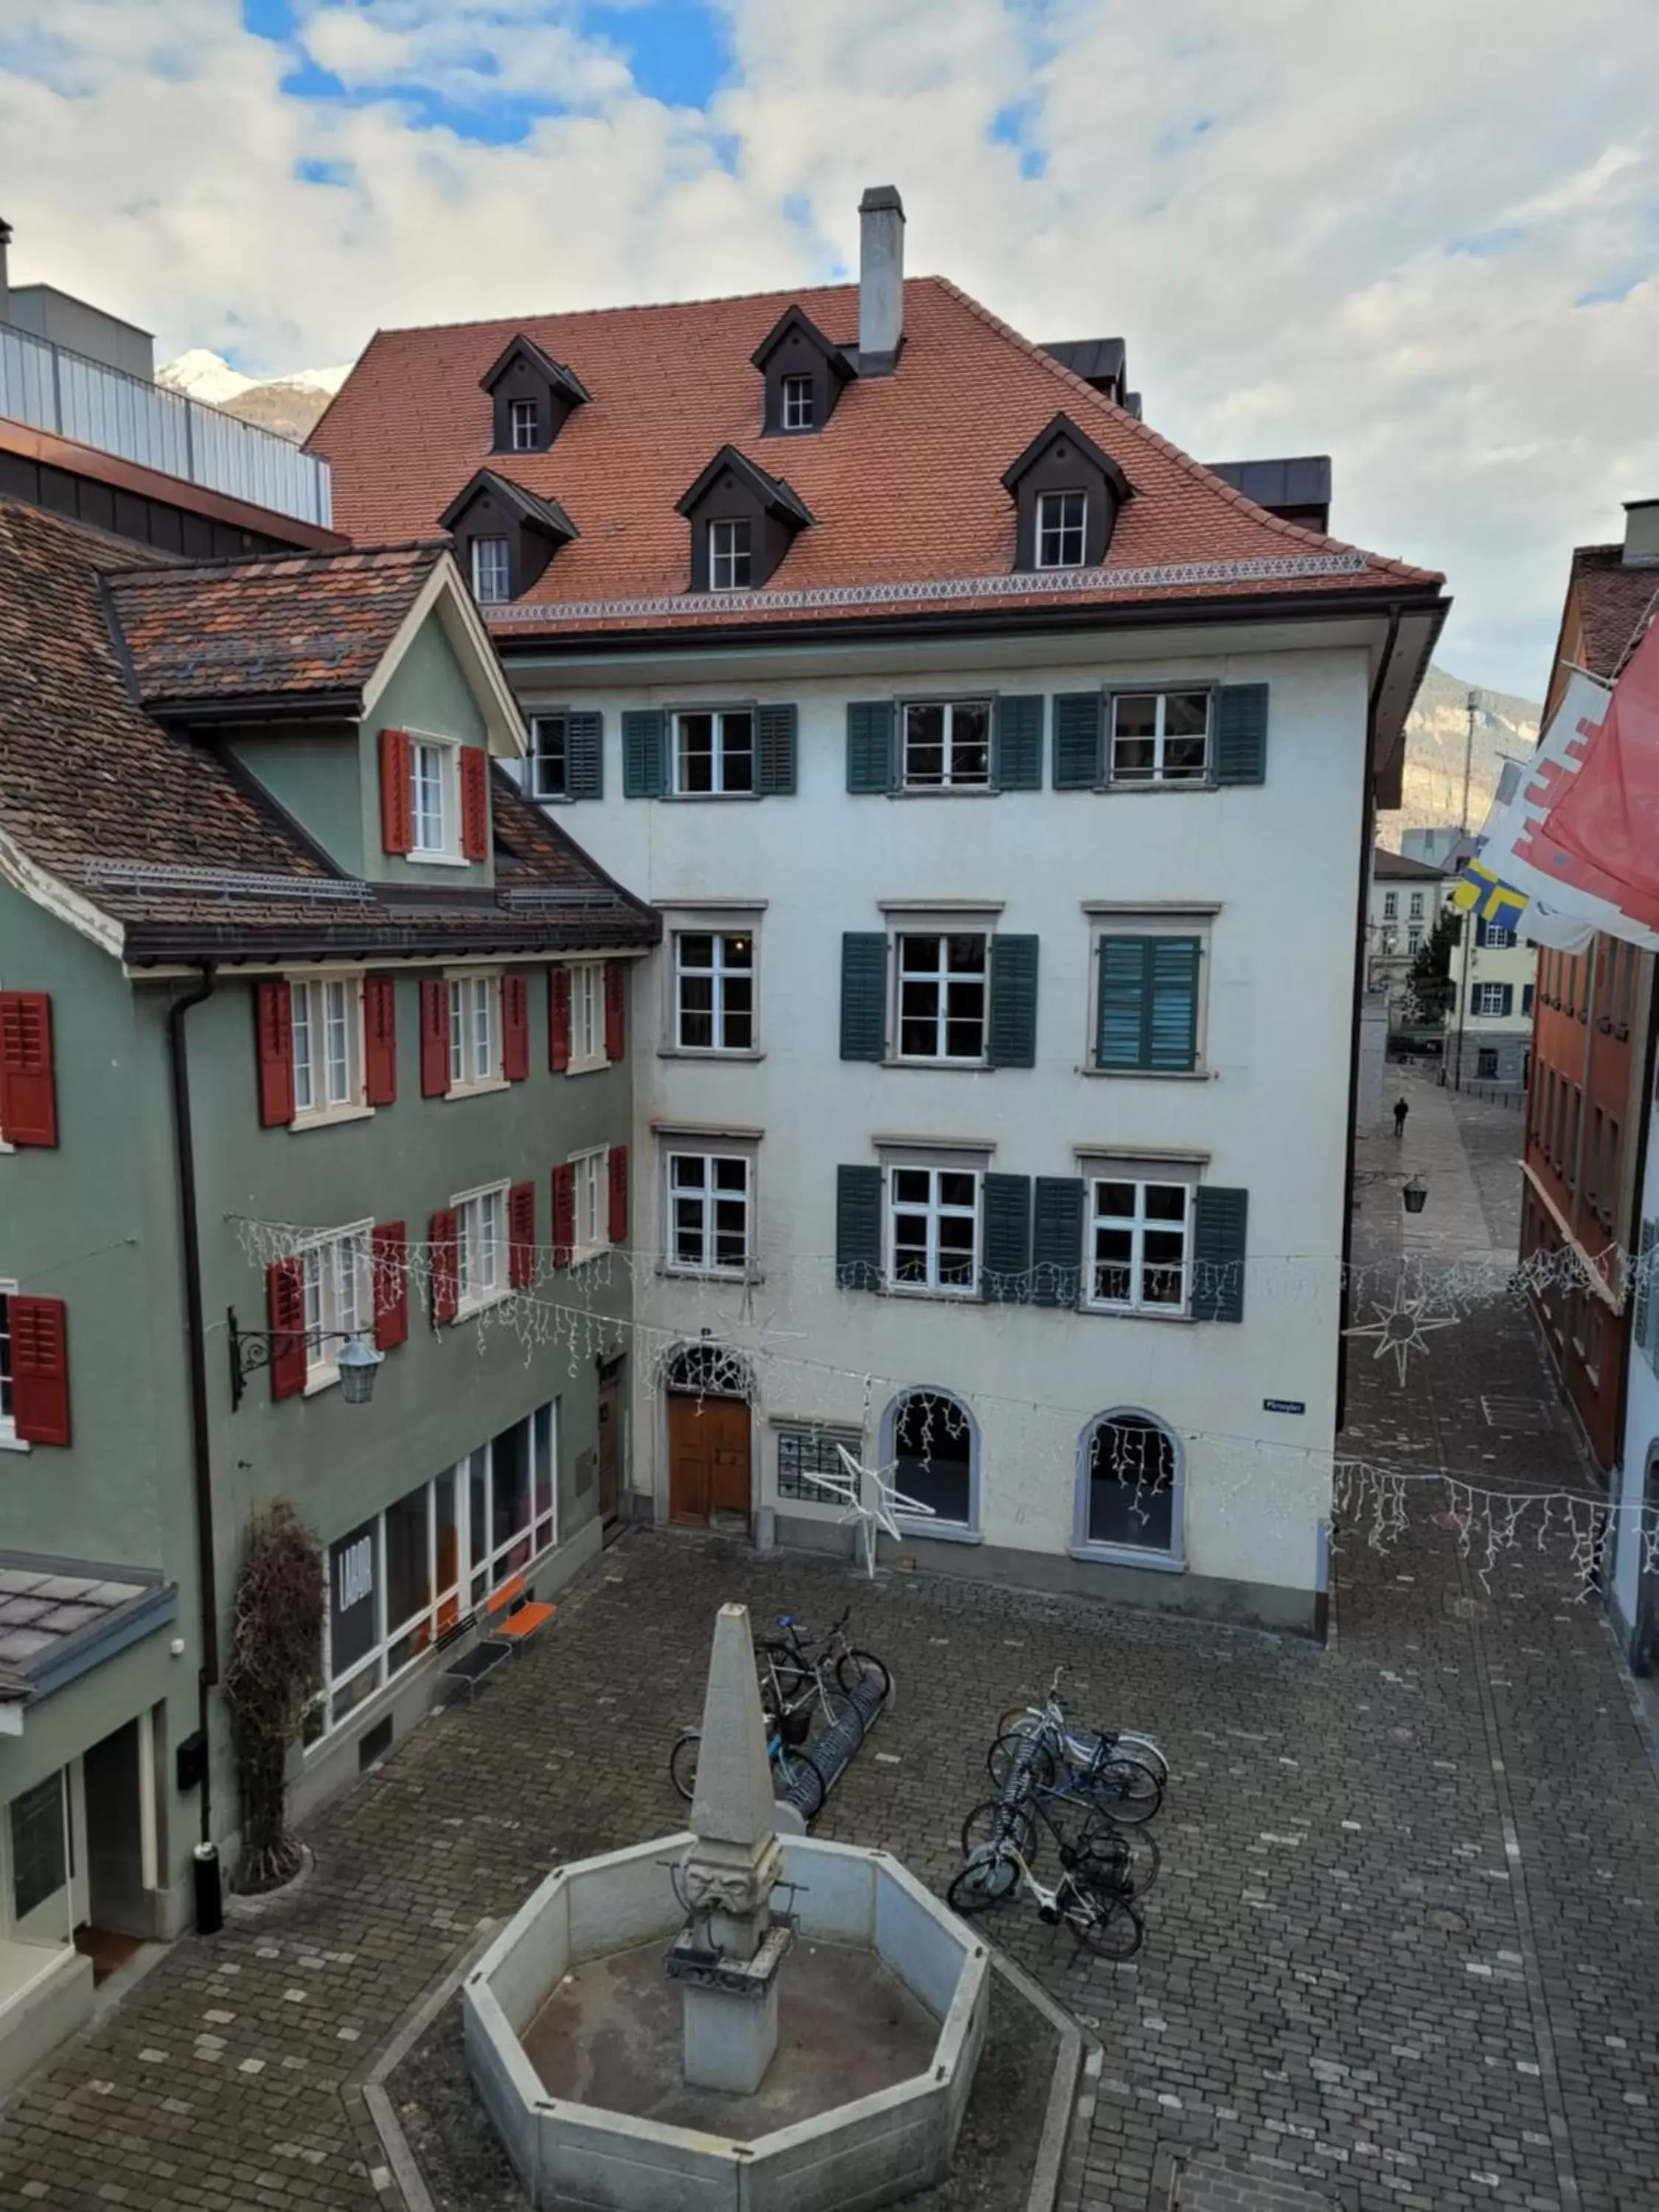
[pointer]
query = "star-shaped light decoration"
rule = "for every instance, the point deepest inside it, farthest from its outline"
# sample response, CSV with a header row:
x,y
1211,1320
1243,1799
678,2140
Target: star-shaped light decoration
x,y
848,1487
1400,1327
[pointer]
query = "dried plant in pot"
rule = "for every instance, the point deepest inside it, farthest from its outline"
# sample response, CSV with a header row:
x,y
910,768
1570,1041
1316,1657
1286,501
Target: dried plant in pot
x,y
273,1677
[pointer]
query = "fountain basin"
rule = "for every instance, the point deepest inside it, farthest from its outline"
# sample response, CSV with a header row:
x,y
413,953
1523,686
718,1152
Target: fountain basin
x,y
883,2013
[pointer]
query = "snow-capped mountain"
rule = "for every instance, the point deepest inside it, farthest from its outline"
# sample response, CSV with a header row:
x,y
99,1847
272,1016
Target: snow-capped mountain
x,y
288,404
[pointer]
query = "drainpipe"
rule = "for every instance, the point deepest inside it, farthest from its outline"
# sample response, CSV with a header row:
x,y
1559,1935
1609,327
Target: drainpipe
x,y
201,1449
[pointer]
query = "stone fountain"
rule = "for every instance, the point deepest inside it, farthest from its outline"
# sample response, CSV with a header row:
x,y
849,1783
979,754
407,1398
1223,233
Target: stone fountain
x,y
820,2050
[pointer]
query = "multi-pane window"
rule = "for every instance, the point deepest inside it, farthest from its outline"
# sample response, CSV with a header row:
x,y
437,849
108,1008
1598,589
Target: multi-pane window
x,y
947,744
714,991
933,1228
525,419
729,560
1498,937
796,403
1160,737
491,571
587,1015
1132,1474
1485,1062
942,996
714,752
1060,529
1391,905
1490,998
475,1030
337,1276
1416,908
591,1227
1140,1245
328,1033
432,766
803,1453
1415,938
480,1247
549,757
708,1212
933,1450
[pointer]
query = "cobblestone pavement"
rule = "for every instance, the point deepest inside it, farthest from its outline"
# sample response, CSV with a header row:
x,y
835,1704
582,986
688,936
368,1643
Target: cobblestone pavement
x,y
1404,1951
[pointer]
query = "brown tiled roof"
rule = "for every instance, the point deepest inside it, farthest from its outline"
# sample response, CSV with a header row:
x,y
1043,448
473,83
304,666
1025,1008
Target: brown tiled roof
x,y
903,480
181,850
1398,865
1615,605
291,626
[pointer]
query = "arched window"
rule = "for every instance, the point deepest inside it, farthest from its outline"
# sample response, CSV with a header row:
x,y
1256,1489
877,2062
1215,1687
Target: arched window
x,y
709,1370
932,1441
1131,1475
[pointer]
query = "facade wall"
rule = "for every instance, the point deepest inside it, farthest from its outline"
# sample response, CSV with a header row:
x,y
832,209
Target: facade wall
x,y
1633,1585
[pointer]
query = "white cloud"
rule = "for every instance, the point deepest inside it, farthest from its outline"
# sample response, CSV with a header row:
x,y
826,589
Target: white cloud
x,y
1319,228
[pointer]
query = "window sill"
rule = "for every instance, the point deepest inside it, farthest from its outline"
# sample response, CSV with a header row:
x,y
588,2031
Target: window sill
x,y
941,1532
1147,790
918,1296
587,1067
947,790
477,1090
469,1309
1128,1555
439,860
1150,1074
1135,1313
11,1442
943,1067
329,1116
719,797
732,1275
585,1254
696,1052
324,1379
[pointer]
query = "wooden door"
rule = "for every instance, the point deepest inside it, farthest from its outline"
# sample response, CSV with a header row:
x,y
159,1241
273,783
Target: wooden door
x,y
708,1457
610,1444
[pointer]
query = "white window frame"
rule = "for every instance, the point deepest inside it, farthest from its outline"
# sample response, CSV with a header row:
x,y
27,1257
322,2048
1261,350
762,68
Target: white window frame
x,y
710,1156
1414,911
1058,532
534,755
725,555
1158,779
1500,937
1141,1171
722,968
1413,937
588,1052
338,1295
796,416
948,779
9,1439
444,755
934,1209
1479,1010
717,718
482,571
1084,1547
469,987
481,1235
524,416
1390,906
590,1211
313,997
941,977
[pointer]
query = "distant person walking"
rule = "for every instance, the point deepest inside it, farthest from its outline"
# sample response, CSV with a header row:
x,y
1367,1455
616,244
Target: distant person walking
x,y
1401,1110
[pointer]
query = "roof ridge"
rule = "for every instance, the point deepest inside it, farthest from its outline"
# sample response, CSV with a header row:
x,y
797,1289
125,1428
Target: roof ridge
x,y
618,307
1171,451
187,570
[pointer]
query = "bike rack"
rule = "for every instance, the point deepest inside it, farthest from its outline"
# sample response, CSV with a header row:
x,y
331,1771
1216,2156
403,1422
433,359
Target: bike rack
x,y
832,1754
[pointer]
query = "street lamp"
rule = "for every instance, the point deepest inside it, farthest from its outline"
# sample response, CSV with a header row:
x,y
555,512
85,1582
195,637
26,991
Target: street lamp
x,y
251,1349
358,1363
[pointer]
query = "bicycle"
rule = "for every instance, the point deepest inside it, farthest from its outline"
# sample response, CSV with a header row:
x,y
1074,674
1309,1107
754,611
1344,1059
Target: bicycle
x,y
1090,1898
1013,1818
786,1739
798,1670
1120,1770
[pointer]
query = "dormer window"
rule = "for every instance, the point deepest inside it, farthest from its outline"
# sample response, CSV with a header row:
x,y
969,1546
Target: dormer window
x,y
531,396
798,403
492,574
728,556
525,424
1067,492
505,536
804,372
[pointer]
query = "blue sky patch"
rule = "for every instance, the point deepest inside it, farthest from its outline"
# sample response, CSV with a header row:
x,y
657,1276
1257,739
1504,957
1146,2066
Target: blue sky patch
x,y
677,50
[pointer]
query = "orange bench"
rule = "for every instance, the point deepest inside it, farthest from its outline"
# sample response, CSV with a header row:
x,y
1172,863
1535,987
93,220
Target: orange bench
x,y
508,1614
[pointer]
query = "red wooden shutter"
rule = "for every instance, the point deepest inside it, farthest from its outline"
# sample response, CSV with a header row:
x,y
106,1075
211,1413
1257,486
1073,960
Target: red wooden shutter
x,y
397,791
564,1215
558,1020
380,1030
435,1037
619,1194
273,1032
285,1317
40,1370
615,1009
521,1235
391,1246
28,1099
475,803
515,1028
445,1259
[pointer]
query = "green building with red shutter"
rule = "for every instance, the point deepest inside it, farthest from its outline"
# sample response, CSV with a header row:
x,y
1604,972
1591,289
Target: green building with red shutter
x,y
313,1062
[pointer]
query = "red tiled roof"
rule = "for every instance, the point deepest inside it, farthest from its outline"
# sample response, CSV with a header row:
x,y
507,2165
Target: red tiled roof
x,y
1615,605
903,480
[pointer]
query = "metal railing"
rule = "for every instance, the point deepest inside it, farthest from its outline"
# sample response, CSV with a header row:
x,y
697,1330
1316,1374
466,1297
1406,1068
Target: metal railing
x,y
51,388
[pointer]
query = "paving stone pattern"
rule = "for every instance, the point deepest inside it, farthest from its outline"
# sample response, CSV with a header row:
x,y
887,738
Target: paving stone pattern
x,y
1404,1952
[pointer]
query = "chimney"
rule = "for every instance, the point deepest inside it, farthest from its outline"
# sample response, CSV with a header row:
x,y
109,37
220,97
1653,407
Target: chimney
x,y
5,286
881,280
1642,533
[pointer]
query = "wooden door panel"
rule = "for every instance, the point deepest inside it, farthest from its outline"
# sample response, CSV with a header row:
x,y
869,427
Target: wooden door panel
x,y
729,1471
610,1450
689,1454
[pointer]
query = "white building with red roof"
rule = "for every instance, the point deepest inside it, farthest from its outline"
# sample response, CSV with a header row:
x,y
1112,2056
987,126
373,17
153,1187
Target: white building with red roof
x,y
957,724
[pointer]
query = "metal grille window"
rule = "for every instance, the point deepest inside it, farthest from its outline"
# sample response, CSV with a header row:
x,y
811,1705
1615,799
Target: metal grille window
x,y
328,1029
942,997
1060,518
934,1229
947,744
339,1300
549,757
481,1247
803,1453
39,1850
1139,1246
491,571
708,1210
526,419
713,991
714,752
474,1030
796,403
729,560
1160,737
431,767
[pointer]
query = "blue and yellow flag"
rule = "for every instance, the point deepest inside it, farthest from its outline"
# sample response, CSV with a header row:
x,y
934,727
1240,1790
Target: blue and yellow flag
x,y
1478,891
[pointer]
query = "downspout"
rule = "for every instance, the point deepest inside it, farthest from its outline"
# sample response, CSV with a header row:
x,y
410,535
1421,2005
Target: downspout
x,y
200,1441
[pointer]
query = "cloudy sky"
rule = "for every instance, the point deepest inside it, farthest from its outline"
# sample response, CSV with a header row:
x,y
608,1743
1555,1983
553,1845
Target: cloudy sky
x,y
1419,236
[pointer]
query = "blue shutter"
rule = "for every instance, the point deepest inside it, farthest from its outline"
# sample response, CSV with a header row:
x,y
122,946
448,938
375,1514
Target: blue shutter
x,y
863,995
1013,1002
1220,1219
643,750
1241,733
1120,1041
857,1228
1506,1000
584,753
1017,744
774,750
1057,1241
1526,998
1007,1249
1171,1042
869,746
1479,929
1079,741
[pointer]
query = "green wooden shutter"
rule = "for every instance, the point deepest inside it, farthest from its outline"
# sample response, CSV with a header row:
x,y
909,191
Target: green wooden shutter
x,y
1006,1247
1057,1241
1079,736
774,750
1017,744
857,1228
1012,1030
643,753
1121,1038
1241,733
863,995
869,745
1507,1003
1171,1004
1219,1221
584,753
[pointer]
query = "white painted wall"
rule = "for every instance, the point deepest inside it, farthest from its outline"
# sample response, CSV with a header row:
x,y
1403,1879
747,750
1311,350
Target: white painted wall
x,y
1271,1114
